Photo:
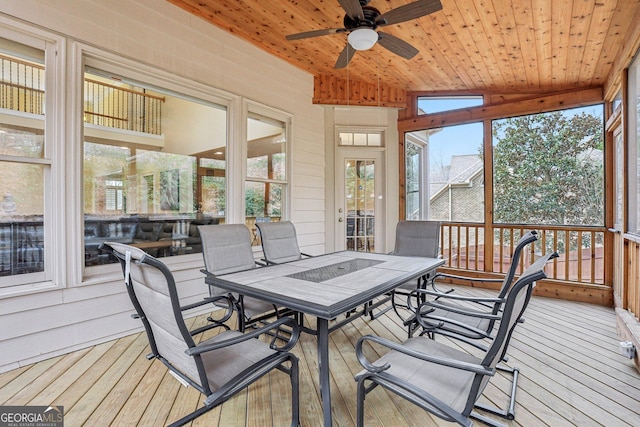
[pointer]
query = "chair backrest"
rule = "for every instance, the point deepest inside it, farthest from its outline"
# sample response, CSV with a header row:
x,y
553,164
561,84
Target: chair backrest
x,y
514,307
152,290
526,239
226,248
418,238
279,241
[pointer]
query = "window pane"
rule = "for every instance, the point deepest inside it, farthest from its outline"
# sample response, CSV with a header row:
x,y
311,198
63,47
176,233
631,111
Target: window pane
x,y
263,199
455,185
266,148
21,219
374,139
619,179
435,104
345,138
413,168
548,168
359,139
19,141
154,168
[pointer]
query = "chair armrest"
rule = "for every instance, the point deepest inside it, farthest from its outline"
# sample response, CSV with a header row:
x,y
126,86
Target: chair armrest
x,y
429,306
254,333
469,279
434,323
471,367
207,300
453,296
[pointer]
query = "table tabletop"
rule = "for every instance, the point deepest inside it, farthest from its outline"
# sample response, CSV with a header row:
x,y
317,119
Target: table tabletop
x,y
328,285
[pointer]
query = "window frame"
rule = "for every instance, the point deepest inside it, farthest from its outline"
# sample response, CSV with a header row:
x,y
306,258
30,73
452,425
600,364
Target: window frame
x,y
423,176
251,108
99,59
633,139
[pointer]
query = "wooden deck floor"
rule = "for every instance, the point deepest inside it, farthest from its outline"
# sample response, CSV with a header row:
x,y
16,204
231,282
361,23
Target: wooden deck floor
x,y
571,375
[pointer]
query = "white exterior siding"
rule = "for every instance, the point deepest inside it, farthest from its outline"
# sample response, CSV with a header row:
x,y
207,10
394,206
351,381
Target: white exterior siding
x,y
159,35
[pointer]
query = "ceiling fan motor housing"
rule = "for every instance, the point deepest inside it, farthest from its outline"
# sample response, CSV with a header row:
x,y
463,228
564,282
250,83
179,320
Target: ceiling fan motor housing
x,y
371,15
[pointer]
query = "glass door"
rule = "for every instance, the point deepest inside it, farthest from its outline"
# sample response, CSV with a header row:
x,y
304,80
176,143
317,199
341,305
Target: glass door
x,y
359,197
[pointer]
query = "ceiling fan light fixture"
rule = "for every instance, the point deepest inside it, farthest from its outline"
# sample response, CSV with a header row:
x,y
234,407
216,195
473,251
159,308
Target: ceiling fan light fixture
x,y
362,38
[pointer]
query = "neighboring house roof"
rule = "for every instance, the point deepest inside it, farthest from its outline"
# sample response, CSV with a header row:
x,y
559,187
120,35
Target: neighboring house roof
x,y
461,171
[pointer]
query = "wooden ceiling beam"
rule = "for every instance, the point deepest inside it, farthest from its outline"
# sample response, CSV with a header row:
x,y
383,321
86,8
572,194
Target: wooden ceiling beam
x,y
530,105
330,90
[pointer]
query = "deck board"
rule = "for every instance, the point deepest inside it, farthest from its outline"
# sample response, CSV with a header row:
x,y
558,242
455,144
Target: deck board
x,y
567,352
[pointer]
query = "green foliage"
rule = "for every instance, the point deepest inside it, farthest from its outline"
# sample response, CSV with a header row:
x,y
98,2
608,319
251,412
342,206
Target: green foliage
x,y
548,169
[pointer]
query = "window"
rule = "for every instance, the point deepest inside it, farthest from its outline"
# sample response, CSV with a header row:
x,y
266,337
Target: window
x,y
25,164
634,145
266,162
415,154
548,168
438,104
360,139
454,184
154,166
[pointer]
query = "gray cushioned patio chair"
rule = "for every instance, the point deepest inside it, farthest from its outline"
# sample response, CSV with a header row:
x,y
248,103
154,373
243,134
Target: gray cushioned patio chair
x,y
226,248
279,242
468,318
414,238
444,380
219,367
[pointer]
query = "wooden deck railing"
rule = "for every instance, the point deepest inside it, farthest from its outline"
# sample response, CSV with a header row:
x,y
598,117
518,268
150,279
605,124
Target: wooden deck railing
x,y
627,287
581,249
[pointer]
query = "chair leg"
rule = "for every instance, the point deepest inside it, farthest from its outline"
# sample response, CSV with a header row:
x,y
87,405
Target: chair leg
x,y
192,416
295,392
360,403
510,412
485,420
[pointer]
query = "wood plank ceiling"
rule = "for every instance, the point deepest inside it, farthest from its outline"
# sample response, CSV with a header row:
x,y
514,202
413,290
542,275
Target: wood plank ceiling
x,y
475,46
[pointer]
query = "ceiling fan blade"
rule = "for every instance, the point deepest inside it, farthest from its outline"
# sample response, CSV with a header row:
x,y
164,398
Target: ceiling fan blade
x,y
408,12
315,33
353,9
396,45
345,56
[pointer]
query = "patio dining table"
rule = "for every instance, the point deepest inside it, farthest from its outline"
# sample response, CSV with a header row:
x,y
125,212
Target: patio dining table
x,y
327,286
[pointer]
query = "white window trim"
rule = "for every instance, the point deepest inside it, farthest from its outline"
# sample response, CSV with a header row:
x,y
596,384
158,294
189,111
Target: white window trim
x,y
252,107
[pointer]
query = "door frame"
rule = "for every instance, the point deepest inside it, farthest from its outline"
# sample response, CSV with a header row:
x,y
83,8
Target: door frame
x,y
363,119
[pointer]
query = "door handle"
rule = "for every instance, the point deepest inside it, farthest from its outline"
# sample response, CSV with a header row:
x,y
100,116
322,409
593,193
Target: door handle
x,y
340,220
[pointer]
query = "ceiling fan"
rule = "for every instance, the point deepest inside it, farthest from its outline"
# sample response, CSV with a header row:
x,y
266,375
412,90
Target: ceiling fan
x,y
361,22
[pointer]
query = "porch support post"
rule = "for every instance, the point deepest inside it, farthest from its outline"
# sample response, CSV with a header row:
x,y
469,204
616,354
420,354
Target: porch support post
x,y
488,197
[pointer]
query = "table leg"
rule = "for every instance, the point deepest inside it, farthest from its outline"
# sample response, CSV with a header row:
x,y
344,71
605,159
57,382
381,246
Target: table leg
x,y
323,362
